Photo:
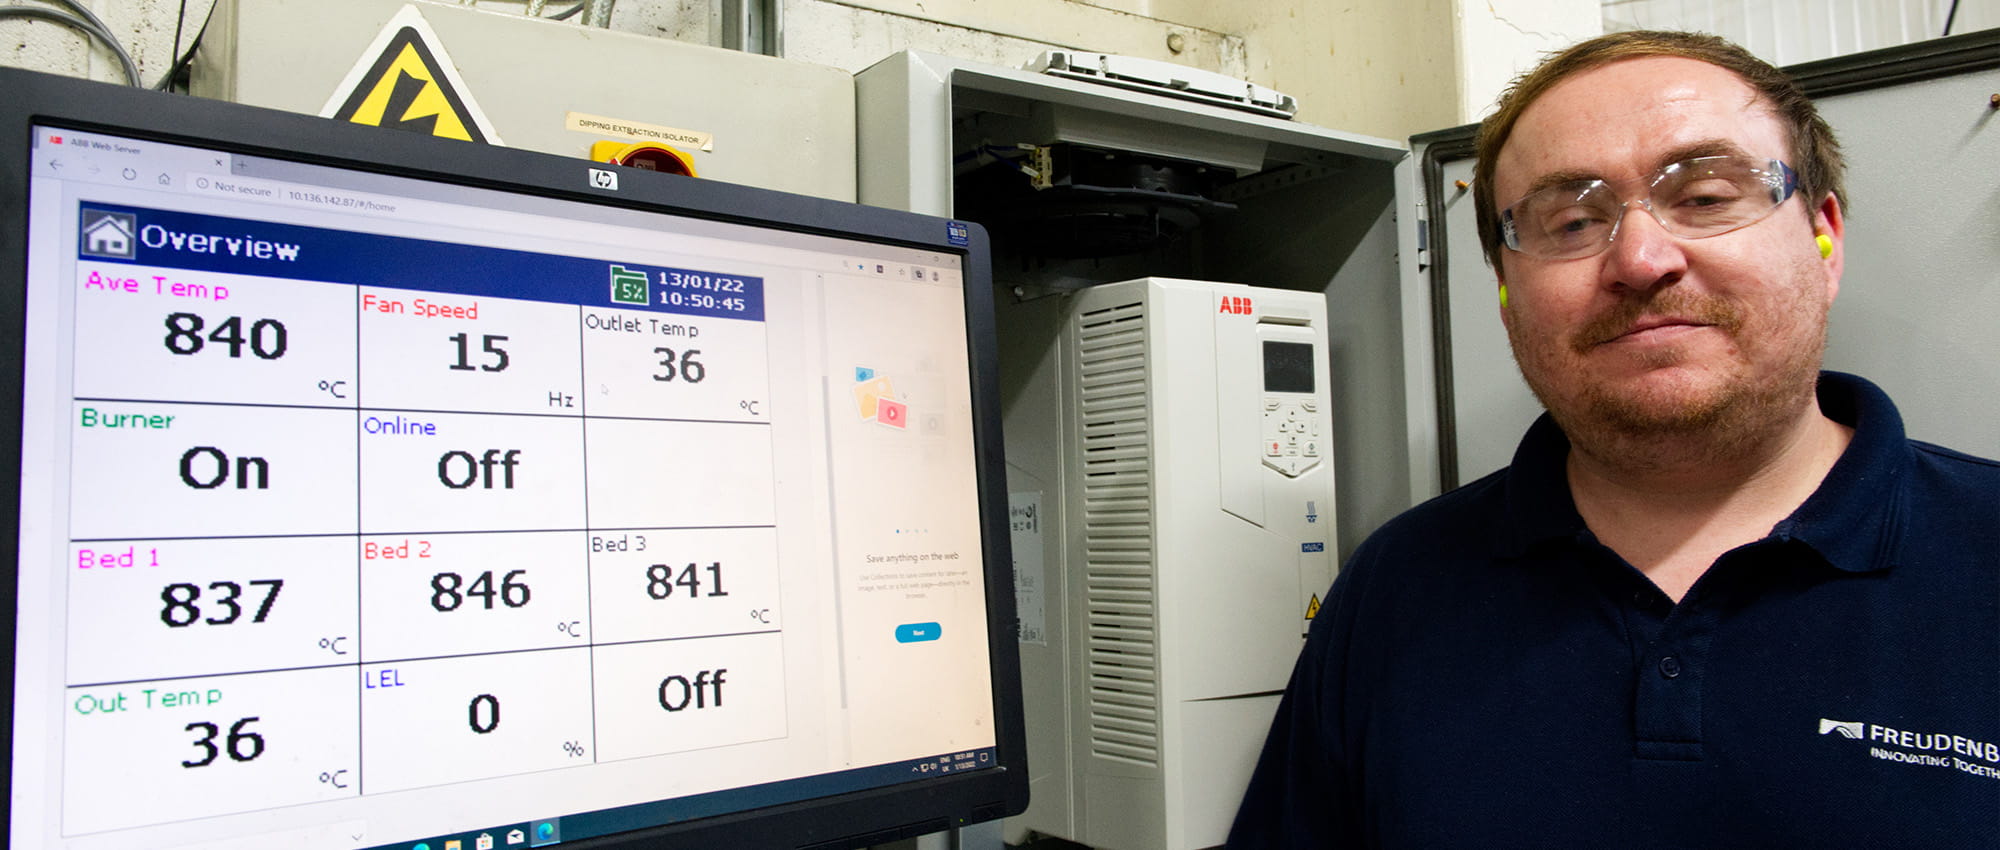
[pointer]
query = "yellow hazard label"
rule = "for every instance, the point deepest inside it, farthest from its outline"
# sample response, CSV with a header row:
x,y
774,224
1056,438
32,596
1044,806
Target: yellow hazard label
x,y
409,86
1312,608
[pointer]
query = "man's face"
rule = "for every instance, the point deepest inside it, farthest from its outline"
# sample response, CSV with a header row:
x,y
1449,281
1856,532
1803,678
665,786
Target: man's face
x,y
1661,334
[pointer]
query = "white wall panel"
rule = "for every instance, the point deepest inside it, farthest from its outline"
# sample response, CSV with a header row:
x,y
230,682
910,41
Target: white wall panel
x,y
1787,32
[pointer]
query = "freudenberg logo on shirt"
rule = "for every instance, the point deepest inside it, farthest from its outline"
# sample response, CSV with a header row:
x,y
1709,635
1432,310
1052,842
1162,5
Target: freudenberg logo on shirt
x,y
1924,749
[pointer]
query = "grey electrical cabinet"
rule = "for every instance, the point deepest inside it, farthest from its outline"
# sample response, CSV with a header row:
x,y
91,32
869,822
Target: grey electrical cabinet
x,y
770,123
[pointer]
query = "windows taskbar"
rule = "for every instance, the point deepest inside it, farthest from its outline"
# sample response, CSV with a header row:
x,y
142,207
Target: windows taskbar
x,y
569,828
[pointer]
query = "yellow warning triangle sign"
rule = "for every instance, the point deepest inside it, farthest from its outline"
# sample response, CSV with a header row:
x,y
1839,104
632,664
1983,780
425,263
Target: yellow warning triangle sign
x,y
409,87
1312,608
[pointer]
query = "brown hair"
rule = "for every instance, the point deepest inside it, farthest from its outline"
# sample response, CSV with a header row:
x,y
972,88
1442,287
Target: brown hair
x,y
1814,153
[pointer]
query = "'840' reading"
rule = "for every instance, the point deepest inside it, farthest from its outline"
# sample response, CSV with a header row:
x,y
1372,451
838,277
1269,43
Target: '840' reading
x,y
267,338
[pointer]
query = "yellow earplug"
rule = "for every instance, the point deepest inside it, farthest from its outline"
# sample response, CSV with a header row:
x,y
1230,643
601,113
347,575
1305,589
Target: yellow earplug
x,y
1825,247
1503,296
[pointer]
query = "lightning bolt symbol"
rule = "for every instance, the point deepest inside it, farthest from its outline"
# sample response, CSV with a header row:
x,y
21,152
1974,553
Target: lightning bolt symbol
x,y
400,99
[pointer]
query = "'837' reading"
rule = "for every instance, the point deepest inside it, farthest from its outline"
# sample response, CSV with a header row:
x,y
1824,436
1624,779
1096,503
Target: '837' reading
x,y
184,602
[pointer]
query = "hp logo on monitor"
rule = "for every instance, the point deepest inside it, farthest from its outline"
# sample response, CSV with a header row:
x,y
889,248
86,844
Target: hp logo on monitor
x,y
605,179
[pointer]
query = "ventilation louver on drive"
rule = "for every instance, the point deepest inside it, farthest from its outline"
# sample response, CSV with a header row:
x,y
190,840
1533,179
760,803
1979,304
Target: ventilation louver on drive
x,y
1116,443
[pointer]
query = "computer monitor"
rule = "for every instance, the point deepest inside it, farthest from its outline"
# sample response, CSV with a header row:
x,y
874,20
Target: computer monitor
x,y
376,490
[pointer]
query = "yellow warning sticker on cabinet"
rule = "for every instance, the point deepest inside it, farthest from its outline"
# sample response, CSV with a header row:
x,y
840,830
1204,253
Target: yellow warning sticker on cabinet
x,y
406,81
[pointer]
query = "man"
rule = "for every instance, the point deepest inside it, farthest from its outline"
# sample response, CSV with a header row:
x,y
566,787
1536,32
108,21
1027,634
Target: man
x,y
1718,599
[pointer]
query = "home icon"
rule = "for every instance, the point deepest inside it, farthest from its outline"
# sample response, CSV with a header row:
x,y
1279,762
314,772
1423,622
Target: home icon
x,y
108,234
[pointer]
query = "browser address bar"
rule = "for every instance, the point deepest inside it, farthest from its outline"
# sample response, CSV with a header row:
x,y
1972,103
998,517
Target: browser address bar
x,y
546,233
304,196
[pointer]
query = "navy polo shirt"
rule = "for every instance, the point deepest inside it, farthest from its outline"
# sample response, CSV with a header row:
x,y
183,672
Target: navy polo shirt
x,y
1486,674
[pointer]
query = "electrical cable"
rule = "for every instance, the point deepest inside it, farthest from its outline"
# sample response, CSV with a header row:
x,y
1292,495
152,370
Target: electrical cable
x,y
104,30
534,10
1948,16
88,26
186,59
88,15
180,19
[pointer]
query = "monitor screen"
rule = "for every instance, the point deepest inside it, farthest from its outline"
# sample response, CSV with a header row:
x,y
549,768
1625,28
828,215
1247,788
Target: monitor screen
x,y
386,491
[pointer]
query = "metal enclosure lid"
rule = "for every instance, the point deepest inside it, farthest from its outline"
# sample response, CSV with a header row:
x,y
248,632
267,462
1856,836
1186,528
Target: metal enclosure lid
x,y
904,110
775,123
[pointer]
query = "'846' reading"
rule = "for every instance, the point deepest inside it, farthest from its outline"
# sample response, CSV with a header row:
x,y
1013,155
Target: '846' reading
x,y
449,590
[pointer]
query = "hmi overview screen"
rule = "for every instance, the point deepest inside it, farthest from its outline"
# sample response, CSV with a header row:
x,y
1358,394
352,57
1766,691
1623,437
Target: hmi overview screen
x,y
360,510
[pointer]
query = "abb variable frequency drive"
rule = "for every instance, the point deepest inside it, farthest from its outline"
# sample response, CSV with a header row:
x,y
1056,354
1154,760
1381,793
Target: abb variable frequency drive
x,y
1174,441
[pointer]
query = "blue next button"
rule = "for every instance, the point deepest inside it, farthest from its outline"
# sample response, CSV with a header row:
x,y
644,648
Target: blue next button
x,y
917,632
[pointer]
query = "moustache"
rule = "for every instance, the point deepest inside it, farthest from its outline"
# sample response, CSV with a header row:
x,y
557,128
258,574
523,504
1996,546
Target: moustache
x,y
1700,309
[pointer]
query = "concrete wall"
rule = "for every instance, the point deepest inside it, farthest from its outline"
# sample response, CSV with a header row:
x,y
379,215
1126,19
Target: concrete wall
x,y
1499,40
145,27
1385,68
1377,67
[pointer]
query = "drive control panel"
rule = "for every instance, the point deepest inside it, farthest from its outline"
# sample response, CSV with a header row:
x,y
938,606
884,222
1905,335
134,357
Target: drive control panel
x,y
1293,432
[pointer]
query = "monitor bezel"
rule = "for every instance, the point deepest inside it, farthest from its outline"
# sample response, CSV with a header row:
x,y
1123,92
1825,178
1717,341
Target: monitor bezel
x,y
852,819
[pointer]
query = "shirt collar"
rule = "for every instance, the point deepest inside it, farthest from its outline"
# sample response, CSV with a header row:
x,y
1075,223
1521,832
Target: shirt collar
x,y
1854,521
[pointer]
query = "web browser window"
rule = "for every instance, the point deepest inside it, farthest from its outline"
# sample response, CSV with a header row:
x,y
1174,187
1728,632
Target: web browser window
x,y
365,511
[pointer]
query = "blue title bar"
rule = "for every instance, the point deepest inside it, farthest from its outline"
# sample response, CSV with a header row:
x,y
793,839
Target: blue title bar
x,y
239,246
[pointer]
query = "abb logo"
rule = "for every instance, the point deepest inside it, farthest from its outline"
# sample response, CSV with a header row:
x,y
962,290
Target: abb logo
x,y
1237,304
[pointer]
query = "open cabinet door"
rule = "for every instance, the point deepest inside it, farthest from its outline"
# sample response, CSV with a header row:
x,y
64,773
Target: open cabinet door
x,y
1483,405
1919,304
